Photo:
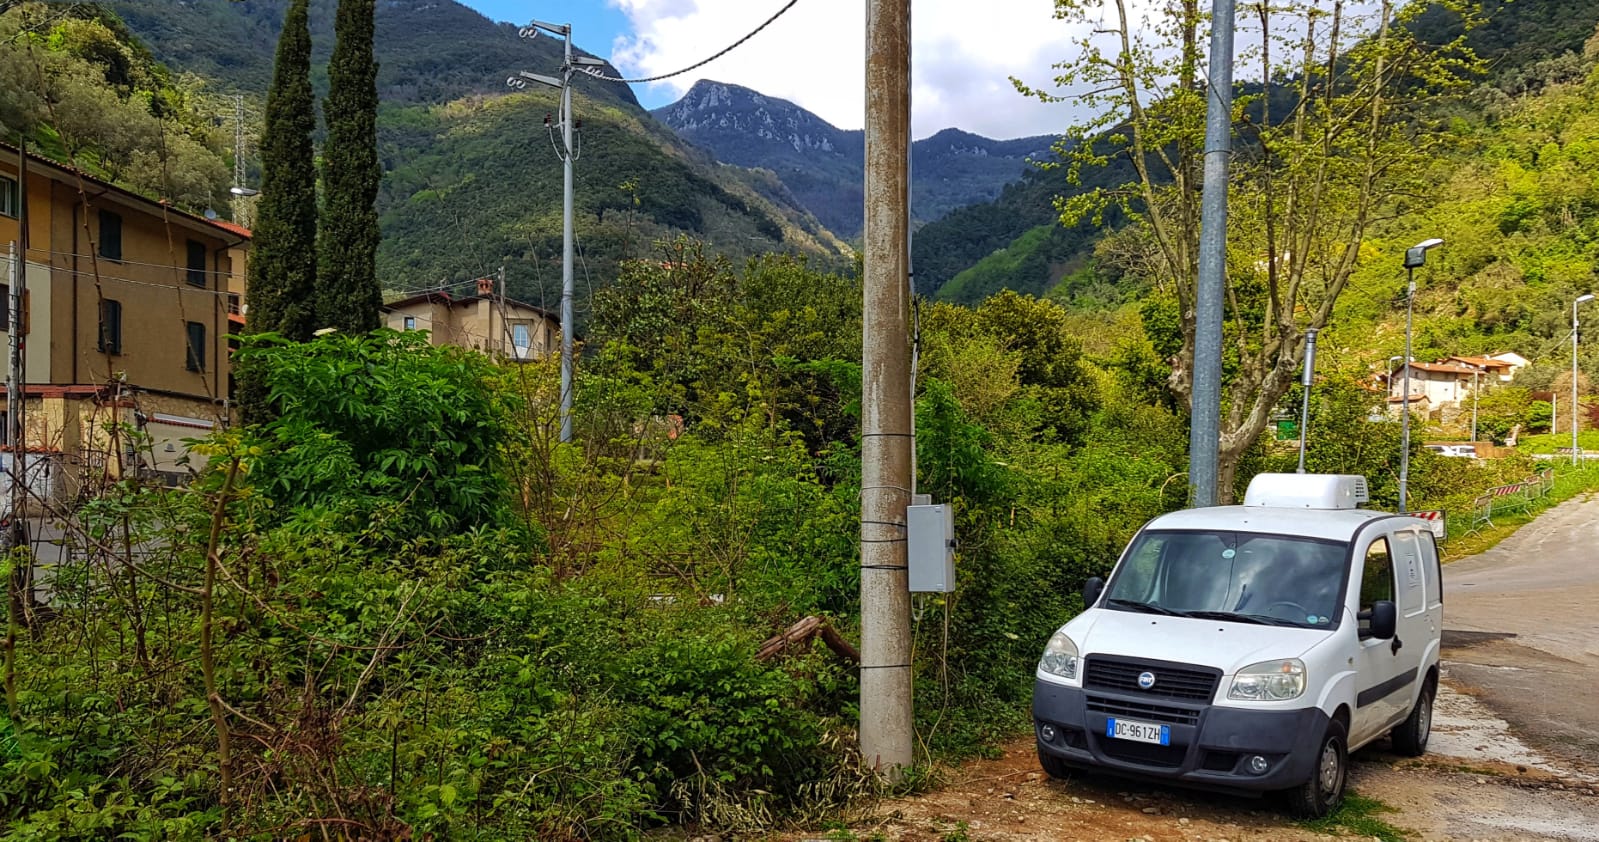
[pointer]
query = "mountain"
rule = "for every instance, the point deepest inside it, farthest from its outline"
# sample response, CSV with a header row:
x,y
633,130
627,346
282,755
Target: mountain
x,y
427,50
471,178
823,166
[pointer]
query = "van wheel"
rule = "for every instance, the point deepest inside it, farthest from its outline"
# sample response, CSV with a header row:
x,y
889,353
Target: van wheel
x,y
1053,766
1410,738
1325,790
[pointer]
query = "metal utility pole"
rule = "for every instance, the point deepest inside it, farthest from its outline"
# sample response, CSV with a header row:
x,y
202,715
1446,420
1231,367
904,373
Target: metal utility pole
x,y
1474,390
886,413
1204,435
1304,406
1415,256
1576,405
568,155
16,403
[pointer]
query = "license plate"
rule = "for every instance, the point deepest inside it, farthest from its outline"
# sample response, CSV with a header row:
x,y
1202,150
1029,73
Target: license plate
x,y
1142,732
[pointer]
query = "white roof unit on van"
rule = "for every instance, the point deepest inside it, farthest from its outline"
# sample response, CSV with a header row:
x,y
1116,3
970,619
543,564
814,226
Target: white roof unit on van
x,y
1306,491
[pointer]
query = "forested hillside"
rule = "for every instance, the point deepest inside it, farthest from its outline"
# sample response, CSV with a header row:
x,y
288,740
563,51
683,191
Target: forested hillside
x,y
427,50
1014,243
78,86
476,183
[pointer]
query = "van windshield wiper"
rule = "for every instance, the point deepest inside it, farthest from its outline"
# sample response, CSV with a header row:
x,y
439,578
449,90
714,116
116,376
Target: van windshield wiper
x,y
1233,616
1145,607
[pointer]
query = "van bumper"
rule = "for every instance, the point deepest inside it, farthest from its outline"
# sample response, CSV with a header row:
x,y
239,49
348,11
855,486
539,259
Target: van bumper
x,y
1213,752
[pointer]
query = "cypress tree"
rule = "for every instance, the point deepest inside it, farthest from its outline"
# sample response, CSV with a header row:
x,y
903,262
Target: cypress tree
x,y
283,266
282,271
348,294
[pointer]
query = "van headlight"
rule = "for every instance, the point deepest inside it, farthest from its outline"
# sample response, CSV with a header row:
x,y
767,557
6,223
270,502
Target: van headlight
x,y
1060,657
1269,681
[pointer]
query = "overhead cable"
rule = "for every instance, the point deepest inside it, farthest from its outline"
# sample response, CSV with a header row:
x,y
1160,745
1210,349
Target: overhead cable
x,y
599,74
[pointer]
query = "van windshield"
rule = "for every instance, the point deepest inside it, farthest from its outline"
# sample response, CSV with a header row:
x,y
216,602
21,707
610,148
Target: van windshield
x,y
1235,576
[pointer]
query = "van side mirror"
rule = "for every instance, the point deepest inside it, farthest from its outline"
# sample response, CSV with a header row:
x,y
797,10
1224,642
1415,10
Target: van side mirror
x,y
1384,620
1091,591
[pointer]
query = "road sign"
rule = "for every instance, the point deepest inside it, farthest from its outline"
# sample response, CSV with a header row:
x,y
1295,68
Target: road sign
x,y
1435,522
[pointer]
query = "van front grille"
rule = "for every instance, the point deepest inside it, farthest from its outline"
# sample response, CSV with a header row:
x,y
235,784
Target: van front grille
x,y
1171,682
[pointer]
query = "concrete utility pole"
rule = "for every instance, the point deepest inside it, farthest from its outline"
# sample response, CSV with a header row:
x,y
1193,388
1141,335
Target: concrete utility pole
x,y
1204,433
568,157
886,414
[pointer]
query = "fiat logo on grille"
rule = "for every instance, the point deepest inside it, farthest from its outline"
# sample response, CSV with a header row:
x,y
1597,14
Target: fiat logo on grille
x,y
1146,680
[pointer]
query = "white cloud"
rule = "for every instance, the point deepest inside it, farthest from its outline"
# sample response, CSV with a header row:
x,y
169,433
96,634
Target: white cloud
x,y
963,55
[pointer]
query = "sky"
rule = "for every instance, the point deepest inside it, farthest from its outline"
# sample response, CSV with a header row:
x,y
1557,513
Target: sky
x,y
963,53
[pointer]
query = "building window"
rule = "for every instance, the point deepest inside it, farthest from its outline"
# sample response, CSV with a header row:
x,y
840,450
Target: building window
x,y
196,361
110,326
5,307
10,197
233,304
410,322
196,275
110,235
521,337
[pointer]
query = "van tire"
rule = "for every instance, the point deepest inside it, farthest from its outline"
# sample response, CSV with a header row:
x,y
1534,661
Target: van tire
x,y
1054,766
1324,792
1410,736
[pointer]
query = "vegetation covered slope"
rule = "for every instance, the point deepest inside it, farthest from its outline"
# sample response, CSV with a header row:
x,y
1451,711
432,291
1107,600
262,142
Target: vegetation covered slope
x,y
81,89
1518,209
471,179
1523,43
476,183
427,50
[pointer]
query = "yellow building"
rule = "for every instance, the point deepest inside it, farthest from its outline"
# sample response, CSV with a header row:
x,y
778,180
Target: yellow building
x,y
125,323
486,322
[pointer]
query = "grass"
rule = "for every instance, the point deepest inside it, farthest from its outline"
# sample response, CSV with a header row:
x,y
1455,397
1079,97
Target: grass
x,y
1568,483
1550,442
1360,816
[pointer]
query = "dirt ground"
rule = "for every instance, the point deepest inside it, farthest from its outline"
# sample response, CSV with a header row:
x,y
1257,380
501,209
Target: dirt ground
x,y
1477,783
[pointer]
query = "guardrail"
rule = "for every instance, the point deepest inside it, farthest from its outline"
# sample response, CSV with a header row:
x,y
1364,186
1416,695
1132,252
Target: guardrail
x,y
1509,498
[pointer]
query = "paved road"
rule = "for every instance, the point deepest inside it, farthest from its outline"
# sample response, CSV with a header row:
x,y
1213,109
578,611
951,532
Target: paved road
x,y
1522,630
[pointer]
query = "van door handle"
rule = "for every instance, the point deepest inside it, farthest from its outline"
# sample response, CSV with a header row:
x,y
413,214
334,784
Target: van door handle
x,y
1398,644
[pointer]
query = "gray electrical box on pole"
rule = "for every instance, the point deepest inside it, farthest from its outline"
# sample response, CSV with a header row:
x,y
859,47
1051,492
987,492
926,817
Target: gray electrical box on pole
x,y
931,551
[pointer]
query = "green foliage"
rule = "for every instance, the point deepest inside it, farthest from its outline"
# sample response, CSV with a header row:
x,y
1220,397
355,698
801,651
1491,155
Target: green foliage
x,y
282,285
81,89
348,295
382,433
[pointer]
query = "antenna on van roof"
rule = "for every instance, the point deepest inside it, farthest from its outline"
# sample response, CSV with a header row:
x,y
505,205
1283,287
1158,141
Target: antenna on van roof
x,y
1304,407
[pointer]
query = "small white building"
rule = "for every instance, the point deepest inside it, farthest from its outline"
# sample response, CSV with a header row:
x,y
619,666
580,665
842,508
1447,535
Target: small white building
x,y
1440,383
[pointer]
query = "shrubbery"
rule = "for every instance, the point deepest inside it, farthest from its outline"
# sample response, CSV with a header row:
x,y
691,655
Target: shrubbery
x,y
428,616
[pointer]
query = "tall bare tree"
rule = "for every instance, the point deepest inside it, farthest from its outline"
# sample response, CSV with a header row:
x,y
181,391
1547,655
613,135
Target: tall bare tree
x,y
1334,125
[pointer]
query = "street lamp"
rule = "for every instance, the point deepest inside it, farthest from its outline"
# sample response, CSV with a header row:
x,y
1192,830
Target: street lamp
x,y
1415,256
1576,417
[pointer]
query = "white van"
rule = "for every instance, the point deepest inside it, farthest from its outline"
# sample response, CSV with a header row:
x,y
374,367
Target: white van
x,y
1251,648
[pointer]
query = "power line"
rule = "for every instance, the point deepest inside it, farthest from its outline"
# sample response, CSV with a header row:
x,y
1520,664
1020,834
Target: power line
x,y
598,74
